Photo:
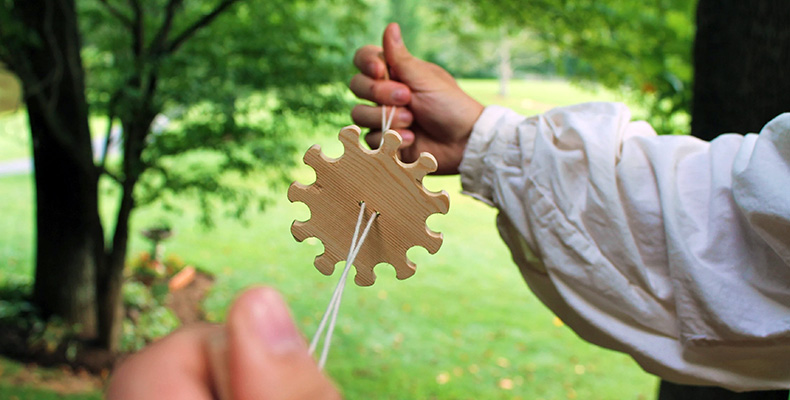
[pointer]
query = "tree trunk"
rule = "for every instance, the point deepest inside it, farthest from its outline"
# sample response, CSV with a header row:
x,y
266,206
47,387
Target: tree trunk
x,y
741,81
69,241
110,279
742,65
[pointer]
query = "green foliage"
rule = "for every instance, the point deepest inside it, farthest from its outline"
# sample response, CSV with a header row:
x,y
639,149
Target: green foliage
x,y
19,314
54,333
145,300
642,49
225,91
472,50
147,316
15,305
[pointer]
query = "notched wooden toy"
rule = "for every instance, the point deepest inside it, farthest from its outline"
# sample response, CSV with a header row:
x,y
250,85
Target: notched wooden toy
x,y
386,186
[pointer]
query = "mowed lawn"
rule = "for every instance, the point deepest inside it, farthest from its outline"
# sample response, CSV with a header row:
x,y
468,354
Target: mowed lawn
x,y
464,327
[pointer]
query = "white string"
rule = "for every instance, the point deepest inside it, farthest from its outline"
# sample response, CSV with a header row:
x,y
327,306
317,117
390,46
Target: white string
x,y
334,304
330,306
386,122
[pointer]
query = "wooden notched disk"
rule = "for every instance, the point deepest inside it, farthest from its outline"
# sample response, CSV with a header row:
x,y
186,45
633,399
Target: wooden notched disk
x,y
387,186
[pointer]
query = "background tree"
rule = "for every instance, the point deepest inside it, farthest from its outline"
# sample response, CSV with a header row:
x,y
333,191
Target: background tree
x,y
741,64
41,44
636,47
220,70
474,50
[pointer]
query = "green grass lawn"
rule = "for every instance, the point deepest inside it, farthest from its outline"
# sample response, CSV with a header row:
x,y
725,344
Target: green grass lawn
x,y
14,136
43,384
464,327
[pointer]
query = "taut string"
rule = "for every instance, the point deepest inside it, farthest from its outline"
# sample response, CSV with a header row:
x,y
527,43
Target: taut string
x,y
332,309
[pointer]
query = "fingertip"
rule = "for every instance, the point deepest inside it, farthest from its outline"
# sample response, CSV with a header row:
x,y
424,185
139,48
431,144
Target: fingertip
x,y
395,50
408,138
373,139
393,31
246,301
263,314
372,70
368,61
404,117
401,96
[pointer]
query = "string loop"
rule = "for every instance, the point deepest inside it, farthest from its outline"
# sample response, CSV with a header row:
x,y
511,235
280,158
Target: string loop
x,y
330,315
386,122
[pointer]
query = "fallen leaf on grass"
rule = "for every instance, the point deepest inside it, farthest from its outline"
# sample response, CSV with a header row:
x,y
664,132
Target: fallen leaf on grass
x,y
506,384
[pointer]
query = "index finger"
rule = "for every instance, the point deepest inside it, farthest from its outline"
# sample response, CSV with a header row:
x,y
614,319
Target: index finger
x,y
367,59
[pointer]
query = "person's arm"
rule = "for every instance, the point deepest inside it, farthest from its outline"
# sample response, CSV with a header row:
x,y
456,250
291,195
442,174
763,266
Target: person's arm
x,y
671,249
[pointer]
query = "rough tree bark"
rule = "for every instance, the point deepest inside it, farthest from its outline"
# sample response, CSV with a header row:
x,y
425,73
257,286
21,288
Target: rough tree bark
x,y
69,243
741,81
742,65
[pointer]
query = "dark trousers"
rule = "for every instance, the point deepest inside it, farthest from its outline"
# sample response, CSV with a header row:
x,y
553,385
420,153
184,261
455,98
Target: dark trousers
x,y
674,391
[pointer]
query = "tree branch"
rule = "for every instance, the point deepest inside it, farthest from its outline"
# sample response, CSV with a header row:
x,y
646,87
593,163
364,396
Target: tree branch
x,y
159,40
115,12
199,24
52,41
138,38
103,170
108,138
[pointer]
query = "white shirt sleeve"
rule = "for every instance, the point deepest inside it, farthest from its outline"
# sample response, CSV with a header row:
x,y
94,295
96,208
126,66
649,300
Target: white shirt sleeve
x,y
671,249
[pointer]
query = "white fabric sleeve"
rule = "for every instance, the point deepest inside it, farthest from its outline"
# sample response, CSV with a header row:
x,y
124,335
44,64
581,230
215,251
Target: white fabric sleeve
x,y
671,249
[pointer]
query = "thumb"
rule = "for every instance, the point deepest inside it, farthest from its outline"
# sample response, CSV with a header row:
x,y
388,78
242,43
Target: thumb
x,y
400,61
267,357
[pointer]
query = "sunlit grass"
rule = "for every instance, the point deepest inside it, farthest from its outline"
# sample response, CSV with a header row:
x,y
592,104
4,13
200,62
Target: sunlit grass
x,y
14,136
16,228
529,96
464,327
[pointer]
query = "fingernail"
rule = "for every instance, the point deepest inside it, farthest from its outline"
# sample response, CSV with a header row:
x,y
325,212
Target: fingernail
x,y
272,322
396,34
400,95
404,116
